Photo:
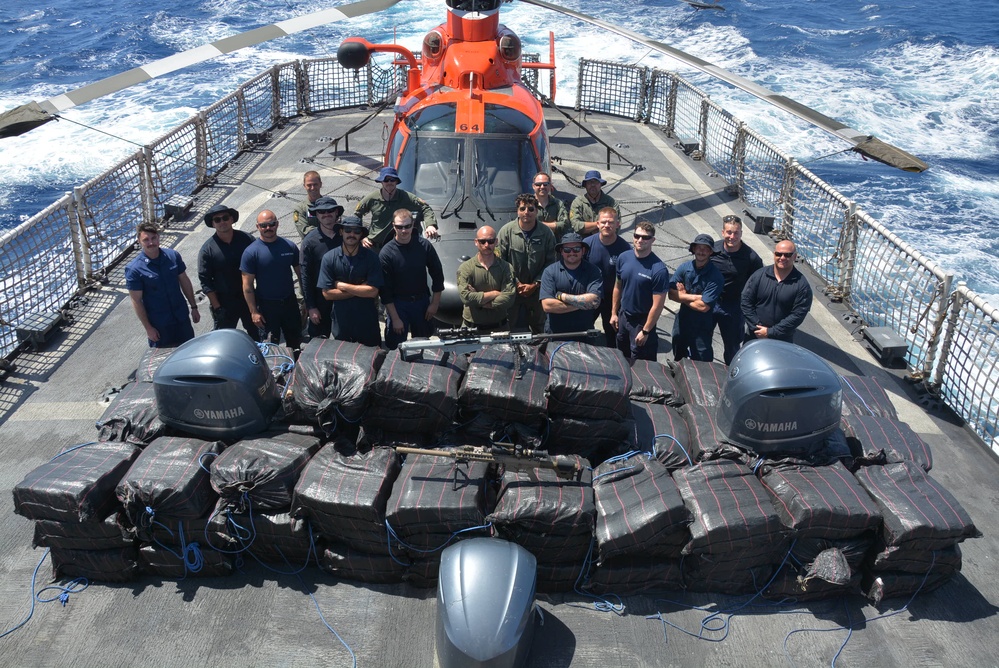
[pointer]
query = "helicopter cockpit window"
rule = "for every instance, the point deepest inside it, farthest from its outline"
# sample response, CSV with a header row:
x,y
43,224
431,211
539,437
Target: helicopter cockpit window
x,y
504,120
474,5
503,169
436,166
436,118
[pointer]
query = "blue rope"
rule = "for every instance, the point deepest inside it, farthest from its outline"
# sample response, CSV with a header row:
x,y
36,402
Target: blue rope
x,y
601,603
74,586
854,390
201,461
551,357
686,453
392,534
71,449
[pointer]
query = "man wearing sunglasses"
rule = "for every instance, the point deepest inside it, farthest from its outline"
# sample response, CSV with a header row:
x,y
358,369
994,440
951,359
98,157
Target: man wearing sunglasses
x,y
486,286
406,262
639,296
384,202
529,248
551,210
571,289
696,286
269,266
776,299
218,270
316,244
584,209
351,277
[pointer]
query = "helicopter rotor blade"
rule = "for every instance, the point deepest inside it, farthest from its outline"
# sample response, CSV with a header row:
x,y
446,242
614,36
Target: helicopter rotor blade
x,y
865,144
28,116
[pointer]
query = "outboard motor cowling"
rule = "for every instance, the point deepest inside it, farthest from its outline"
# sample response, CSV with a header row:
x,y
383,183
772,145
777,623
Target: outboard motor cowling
x,y
216,386
485,604
779,399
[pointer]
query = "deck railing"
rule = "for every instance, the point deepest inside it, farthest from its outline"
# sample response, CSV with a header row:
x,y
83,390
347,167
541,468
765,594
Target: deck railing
x,y
953,334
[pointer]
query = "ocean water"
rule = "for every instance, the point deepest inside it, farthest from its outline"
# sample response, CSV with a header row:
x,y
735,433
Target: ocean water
x,y
921,75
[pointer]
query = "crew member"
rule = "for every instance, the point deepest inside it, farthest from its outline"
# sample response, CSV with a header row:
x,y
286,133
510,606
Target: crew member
x,y
639,296
316,244
304,215
158,286
406,262
486,285
351,277
270,265
551,210
571,289
604,250
696,286
585,208
776,299
218,270
737,262
384,202
529,248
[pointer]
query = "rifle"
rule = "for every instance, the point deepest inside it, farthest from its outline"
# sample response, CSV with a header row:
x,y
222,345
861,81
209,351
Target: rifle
x,y
567,468
465,340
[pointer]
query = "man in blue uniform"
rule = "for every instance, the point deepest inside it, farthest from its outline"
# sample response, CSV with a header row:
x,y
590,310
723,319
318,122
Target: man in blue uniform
x,y
604,249
351,277
571,289
777,299
696,286
269,267
737,262
316,244
218,270
639,296
406,262
158,286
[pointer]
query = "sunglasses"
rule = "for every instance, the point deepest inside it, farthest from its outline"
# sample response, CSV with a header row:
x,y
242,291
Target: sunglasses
x,y
572,249
527,208
776,254
266,226
391,181
644,237
541,183
221,219
402,227
731,219
486,242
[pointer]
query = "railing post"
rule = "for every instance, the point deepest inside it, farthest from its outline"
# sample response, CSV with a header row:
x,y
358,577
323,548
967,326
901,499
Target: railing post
x,y
848,250
787,197
579,84
275,95
146,189
671,105
739,159
948,336
201,148
702,127
81,242
240,118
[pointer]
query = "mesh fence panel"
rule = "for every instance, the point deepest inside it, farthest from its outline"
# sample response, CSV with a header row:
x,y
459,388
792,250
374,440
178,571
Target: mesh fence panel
x,y
331,86
222,134
820,223
660,85
37,264
893,286
612,88
175,166
687,122
111,208
258,103
720,140
288,89
762,174
970,365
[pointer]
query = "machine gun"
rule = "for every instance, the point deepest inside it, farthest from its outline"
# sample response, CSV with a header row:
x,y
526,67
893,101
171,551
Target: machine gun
x,y
567,468
465,340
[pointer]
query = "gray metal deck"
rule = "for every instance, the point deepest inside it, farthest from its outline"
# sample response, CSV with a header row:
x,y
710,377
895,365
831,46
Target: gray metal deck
x,y
257,618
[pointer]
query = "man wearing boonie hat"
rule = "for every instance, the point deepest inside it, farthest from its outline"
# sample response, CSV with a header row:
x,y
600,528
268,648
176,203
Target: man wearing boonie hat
x,y
350,277
317,243
571,289
585,209
384,202
218,270
696,286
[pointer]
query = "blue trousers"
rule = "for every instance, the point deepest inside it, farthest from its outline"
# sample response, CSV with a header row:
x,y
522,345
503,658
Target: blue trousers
x,y
628,327
730,324
412,314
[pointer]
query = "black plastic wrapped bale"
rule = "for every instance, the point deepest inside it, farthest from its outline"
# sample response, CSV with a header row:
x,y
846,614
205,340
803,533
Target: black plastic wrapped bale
x,y
434,497
944,560
701,383
701,573
348,563
880,440
779,400
653,382
151,360
639,509
823,502
217,385
864,395
168,563
108,534
342,492
169,481
507,381
180,532
595,440
882,585
730,509
630,576
116,565
559,576
661,429
806,549
132,417
810,584
419,396
588,382
259,474
272,538
332,380
77,485
703,431
280,359
918,511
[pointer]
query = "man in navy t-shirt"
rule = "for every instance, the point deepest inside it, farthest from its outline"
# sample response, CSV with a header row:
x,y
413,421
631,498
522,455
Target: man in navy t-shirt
x,y
350,277
696,286
269,267
570,288
605,248
639,295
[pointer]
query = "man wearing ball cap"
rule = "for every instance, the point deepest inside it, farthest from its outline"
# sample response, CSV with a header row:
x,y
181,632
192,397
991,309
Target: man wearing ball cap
x,y
351,277
571,289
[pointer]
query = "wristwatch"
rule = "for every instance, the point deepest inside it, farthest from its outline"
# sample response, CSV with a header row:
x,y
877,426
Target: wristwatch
x,y
645,332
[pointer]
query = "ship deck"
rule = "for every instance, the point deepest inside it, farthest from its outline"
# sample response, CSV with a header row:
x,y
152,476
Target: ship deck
x,y
260,618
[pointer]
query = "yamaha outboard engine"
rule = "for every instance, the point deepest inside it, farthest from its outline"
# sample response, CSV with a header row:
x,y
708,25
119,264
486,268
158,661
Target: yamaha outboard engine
x,y
779,399
216,386
485,604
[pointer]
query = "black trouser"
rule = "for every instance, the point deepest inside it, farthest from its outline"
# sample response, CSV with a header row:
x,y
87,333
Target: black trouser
x,y
282,316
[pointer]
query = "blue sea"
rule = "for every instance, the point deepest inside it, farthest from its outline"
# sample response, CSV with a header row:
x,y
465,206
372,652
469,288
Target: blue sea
x,y
922,75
